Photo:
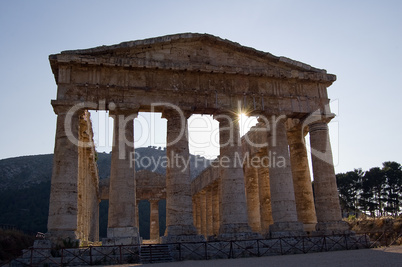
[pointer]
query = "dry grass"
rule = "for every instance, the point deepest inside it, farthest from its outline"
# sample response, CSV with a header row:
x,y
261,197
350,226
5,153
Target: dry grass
x,y
385,229
12,242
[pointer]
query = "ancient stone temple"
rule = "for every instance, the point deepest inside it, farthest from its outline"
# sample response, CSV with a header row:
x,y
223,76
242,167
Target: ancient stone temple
x,y
268,194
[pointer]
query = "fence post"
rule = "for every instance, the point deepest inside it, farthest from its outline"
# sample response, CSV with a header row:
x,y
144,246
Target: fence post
x,y
150,252
90,255
230,250
280,245
62,256
346,242
31,257
120,255
258,248
179,251
206,250
386,240
365,239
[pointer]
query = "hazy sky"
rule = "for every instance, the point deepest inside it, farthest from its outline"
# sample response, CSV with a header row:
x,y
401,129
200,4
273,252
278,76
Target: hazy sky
x,y
359,41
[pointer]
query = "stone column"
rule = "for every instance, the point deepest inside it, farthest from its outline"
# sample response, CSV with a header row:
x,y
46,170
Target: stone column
x,y
283,201
137,218
194,211
325,189
203,206
215,209
88,208
82,191
252,194
179,208
154,219
209,211
122,195
63,206
264,194
198,213
301,178
233,210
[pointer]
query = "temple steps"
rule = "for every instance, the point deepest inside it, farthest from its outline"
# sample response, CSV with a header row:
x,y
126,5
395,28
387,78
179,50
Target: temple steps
x,y
155,253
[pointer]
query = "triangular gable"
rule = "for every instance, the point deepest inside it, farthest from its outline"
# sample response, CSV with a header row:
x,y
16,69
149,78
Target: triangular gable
x,y
192,52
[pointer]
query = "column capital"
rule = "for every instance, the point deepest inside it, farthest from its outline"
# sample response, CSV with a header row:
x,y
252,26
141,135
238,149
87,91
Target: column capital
x,y
317,117
60,109
271,119
170,113
127,110
224,115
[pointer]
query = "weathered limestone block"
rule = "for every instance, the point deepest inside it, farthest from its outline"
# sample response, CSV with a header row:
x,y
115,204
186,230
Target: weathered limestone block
x,y
264,193
88,184
63,208
233,211
209,211
283,201
154,219
301,178
179,216
122,200
326,194
150,185
137,220
215,208
252,195
199,214
203,205
194,212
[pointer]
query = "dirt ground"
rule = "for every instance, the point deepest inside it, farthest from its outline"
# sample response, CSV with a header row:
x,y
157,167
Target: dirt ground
x,y
383,257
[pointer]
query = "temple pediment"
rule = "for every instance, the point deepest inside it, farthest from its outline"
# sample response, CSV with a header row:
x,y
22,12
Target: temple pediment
x,y
199,72
191,52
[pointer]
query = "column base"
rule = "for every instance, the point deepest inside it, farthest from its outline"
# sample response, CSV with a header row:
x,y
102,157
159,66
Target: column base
x,y
332,227
167,239
181,234
178,230
286,229
237,236
232,228
121,236
236,231
309,227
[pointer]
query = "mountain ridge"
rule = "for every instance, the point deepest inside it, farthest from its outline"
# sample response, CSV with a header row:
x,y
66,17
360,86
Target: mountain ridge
x,y
25,188
25,171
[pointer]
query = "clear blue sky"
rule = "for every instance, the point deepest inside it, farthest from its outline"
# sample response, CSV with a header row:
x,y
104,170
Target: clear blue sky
x,y
359,41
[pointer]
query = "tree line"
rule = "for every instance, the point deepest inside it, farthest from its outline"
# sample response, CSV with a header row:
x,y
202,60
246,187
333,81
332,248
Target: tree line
x,y
376,192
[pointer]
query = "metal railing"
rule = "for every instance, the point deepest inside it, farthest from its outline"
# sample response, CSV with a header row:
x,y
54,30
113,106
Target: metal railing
x,y
92,255
384,238
96,255
267,247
